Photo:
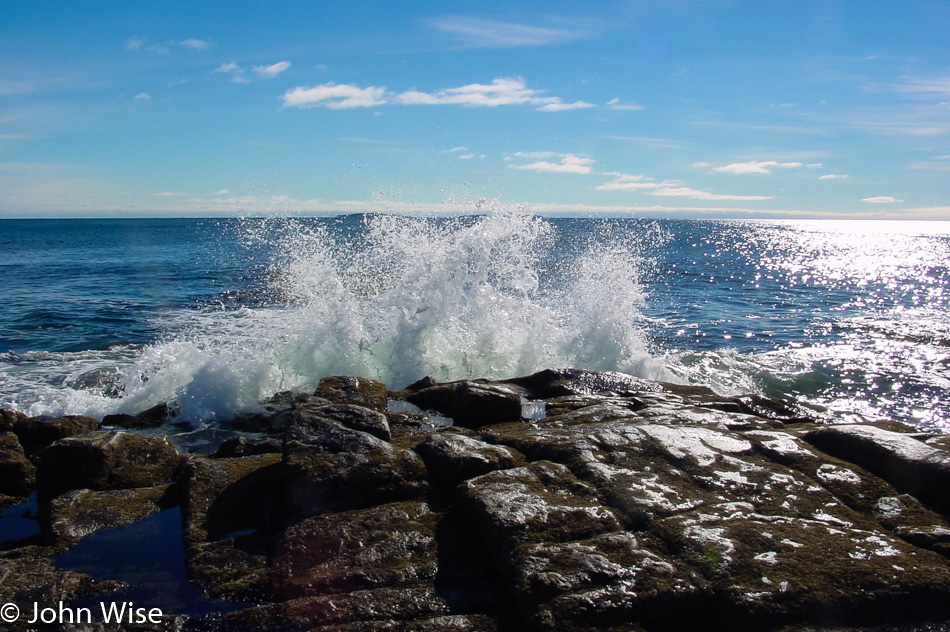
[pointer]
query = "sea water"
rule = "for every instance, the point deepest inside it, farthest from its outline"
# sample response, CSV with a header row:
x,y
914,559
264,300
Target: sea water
x,y
849,318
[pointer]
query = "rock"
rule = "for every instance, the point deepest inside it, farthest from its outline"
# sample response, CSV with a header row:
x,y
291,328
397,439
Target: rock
x,y
152,418
310,427
35,433
80,512
712,510
9,418
933,537
625,505
560,382
234,447
771,408
331,468
254,422
470,404
542,501
902,460
359,418
452,458
228,507
103,460
405,610
27,577
17,474
354,390
418,385
390,545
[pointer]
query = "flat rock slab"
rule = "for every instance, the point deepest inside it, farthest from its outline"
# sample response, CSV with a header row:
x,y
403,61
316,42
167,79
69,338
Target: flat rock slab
x,y
389,545
106,459
616,504
902,460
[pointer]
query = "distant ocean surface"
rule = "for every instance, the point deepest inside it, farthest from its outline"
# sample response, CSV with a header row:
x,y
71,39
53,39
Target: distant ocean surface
x,y
97,316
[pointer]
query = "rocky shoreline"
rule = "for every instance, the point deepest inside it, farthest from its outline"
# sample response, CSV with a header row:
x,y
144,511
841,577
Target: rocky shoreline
x,y
566,500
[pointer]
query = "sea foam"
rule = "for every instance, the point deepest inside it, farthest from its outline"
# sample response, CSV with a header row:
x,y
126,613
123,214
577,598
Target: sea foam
x,y
393,298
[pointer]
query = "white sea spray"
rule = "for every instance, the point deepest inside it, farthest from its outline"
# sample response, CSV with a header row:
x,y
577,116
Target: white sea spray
x,y
400,298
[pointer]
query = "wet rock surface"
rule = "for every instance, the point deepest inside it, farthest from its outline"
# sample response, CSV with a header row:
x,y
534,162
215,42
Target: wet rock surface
x,y
565,500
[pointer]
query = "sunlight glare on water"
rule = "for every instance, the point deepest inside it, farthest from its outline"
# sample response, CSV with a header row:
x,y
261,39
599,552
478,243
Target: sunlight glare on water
x,y
849,317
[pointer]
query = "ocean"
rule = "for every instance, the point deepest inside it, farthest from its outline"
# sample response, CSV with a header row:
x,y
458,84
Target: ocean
x,y
851,319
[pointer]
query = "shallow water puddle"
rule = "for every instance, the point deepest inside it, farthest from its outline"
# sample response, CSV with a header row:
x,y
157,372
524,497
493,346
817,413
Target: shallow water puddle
x,y
149,556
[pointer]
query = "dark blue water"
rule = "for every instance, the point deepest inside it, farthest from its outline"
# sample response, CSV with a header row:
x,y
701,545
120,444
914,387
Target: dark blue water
x,y
149,557
99,316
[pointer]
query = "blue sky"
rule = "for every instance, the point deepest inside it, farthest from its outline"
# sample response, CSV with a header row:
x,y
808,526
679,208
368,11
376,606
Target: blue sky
x,y
686,108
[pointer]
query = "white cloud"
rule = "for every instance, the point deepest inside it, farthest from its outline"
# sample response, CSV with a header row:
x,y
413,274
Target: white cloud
x,y
486,33
142,96
10,87
704,195
615,104
669,188
881,199
195,44
560,107
834,176
272,70
931,85
500,92
756,166
227,67
568,163
138,43
628,182
335,96
263,72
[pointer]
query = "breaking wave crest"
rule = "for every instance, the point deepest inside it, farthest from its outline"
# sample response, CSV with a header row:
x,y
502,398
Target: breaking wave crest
x,y
390,297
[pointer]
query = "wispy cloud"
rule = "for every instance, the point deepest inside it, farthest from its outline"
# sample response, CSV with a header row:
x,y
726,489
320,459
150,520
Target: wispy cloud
x,y
195,44
756,167
566,163
834,176
881,199
463,153
272,70
615,104
10,87
138,43
500,92
335,97
487,33
142,96
704,195
653,143
669,188
238,73
925,85
560,107
228,66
